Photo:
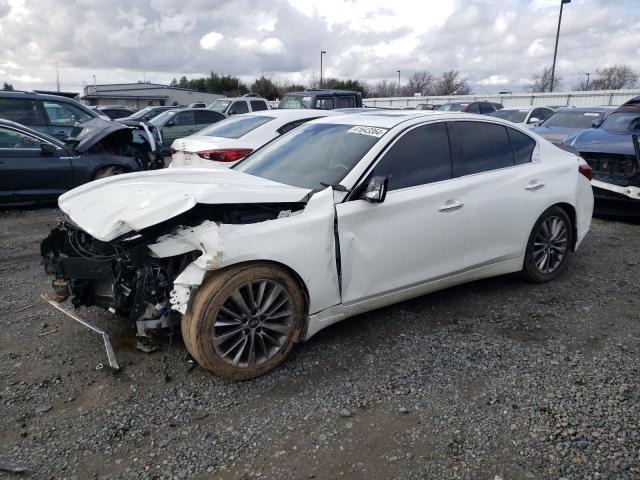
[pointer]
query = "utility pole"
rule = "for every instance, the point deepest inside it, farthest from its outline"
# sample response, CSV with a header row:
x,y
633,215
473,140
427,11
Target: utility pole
x,y
555,51
587,87
57,77
322,52
398,82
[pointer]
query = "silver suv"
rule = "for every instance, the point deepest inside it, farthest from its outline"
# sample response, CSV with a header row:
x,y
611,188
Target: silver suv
x,y
234,106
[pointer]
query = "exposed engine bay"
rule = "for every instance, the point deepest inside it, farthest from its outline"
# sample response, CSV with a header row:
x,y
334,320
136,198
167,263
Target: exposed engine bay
x,y
124,276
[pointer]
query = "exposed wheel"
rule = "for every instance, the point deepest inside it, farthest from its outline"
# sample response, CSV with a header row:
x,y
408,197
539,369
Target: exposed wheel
x,y
108,172
244,321
548,246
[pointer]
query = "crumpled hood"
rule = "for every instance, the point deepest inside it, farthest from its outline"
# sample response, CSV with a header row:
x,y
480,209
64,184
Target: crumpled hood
x,y
598,140
116,205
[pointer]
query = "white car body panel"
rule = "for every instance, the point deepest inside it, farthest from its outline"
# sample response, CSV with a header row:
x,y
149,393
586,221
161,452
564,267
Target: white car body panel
x,y
389,252
187,147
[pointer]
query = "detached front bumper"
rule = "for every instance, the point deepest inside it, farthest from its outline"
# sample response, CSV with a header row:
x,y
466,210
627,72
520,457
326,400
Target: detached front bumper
x,y
615,199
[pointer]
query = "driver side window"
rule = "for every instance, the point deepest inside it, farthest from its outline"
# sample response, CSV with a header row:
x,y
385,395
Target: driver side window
x,y
12,139
419,157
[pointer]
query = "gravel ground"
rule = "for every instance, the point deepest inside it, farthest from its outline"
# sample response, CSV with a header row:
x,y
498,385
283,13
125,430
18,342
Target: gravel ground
x,y
497,379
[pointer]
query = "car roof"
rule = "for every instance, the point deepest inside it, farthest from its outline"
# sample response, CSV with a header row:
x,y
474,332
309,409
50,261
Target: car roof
x,y
391,118
292,113
323,91
248,99
586,109
41,96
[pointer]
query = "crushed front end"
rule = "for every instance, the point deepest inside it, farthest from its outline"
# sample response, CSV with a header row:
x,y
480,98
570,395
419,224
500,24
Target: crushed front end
x,y
122,276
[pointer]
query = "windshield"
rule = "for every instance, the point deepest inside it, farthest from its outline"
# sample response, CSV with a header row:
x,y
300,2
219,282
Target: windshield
x,y
515,116
295,101
219,105
162,118
453,107
313,155
141,113
572,119
234,127
622,121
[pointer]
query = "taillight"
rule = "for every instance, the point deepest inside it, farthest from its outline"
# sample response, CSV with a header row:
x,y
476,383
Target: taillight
x,y
173,151
585,170
225,155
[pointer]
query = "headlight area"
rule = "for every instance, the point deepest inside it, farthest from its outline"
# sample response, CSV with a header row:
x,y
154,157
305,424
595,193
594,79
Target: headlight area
x,y
123,276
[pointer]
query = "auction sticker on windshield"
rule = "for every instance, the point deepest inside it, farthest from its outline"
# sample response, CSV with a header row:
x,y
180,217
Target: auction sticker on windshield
x,y
371,131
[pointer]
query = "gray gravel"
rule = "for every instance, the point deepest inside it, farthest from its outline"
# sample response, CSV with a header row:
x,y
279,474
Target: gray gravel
x,y
498,379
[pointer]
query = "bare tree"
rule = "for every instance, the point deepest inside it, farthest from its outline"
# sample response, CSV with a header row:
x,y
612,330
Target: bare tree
x,y
541,81
615,78
419,82
385,88
581,86
450,83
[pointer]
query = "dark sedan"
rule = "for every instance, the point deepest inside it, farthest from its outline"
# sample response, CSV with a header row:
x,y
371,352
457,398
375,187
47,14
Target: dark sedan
x,y
567,122
613,152
36,168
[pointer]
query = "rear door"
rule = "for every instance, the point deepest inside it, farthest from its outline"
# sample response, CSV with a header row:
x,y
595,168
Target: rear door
x,y
258,105
503,188
26,173
238,107
25,111
417,234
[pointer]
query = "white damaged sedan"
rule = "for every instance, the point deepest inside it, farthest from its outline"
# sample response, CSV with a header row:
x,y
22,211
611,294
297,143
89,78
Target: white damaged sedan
x,y
343,215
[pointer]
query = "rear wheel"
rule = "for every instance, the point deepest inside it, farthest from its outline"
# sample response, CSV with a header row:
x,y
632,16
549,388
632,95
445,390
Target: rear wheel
x,y
548,246
244,321
109,172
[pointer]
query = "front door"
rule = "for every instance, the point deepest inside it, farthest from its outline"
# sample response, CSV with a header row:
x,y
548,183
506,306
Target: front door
x,y
417,234
26,173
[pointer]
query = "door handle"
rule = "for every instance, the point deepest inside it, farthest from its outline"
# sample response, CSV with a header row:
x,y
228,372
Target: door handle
x,y
450,205
535,185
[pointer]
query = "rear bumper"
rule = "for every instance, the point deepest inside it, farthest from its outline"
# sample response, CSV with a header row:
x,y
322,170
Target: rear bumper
x,y
611,202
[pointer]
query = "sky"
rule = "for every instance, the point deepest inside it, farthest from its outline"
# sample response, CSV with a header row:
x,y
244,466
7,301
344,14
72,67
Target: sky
x,y
495,44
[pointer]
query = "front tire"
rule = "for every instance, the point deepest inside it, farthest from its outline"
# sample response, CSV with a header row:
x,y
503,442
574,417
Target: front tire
x,y
548,247
109,172
244,320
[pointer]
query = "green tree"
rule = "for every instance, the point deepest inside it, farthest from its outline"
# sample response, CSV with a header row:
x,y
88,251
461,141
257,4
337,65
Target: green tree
x,y
265,87
7,87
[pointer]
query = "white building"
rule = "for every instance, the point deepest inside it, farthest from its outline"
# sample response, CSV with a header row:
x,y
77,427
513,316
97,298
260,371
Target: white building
x,y
143,94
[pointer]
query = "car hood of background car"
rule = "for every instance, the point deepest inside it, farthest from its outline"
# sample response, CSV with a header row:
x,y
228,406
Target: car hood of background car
x,y
556,134
87,134
602,141
116,205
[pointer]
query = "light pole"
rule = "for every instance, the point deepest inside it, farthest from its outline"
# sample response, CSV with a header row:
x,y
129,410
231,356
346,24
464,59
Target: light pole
x,y
398,82
322,52
555,51
587,86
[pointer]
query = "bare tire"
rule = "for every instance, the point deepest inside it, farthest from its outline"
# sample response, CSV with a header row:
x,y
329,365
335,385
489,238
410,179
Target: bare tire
x,y
548,247
108,172
244,321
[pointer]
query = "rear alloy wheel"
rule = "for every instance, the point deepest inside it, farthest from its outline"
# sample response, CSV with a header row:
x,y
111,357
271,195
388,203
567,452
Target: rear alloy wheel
x,y
548,247
108,172
244,321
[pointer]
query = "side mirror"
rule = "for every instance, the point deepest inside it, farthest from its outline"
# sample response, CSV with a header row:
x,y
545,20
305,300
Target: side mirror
x,y
376,190
534,120
596,123
47,148
170,124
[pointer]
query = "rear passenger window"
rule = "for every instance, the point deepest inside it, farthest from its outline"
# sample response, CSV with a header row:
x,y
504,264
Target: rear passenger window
x,y
21,110
479,147
325,104
487,108
239,107
205,117
346,102
419,157
474,108
522,145
258,105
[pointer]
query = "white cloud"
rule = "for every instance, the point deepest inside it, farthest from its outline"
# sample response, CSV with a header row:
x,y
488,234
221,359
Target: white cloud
x,y
271,46
210,40
494,80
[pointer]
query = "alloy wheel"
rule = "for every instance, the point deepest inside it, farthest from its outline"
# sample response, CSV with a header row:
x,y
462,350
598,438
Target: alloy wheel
x,y
253,323
550,244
